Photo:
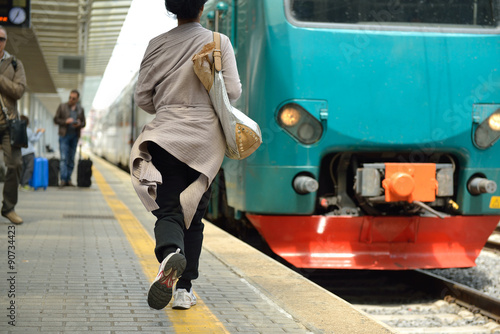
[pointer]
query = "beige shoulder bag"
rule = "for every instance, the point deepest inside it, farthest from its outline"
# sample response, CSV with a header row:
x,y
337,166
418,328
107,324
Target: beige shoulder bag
x,y
243,135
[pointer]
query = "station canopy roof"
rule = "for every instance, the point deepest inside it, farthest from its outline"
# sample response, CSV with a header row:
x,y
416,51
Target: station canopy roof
x,y
61,33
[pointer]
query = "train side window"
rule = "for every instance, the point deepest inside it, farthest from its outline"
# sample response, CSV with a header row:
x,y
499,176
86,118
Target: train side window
x,y
430,12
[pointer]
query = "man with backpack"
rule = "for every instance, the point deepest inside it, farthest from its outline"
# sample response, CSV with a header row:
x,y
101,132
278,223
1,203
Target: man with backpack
x,y
12,87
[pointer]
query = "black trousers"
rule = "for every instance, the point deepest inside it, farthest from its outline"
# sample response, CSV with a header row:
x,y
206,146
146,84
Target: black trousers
x,y
27,168
13,160
170,230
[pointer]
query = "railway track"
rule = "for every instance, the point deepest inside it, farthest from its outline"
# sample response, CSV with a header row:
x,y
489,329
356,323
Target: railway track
x,y
460,294
493,242
415,301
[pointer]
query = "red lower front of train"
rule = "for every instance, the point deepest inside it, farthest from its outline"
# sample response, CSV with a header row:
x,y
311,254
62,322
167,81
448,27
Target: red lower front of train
x,y
368,242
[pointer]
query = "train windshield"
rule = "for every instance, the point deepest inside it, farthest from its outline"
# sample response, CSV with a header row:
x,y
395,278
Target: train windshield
x,y
470,13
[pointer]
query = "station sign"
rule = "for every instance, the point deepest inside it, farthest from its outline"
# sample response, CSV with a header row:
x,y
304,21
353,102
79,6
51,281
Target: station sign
x,y
15,13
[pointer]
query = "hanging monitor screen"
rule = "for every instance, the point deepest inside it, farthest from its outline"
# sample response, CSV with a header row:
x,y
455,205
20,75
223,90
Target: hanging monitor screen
x,y
15,13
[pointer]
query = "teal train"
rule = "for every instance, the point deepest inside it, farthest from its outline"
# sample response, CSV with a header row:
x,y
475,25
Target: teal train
x,y
380,124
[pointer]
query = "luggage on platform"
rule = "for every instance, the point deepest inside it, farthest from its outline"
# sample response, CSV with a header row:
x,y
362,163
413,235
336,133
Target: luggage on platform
x,y
84,172
54,164
40,177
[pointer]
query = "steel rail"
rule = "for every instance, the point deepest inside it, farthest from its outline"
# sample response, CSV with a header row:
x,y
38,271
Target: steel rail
x,y
492,245
474,300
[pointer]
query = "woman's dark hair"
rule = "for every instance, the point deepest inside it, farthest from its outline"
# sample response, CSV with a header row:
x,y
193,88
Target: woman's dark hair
x,y
185,9
25,118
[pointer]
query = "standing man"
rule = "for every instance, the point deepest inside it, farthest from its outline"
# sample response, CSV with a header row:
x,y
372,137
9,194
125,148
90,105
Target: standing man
x,y
71,119
12,86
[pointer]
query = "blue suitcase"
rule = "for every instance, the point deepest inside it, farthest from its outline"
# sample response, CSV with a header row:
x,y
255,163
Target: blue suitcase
x,y
40,177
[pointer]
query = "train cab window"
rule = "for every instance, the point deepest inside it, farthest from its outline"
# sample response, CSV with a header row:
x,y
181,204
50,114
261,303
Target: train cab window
x,y
474,13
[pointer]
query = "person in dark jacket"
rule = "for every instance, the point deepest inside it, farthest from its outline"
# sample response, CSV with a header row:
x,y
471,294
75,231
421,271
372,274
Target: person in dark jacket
x,y
70,117
12,87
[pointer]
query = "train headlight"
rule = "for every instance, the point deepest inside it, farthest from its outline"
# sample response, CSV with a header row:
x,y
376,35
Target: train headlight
x,y
300,124
488,132
494,122
289,115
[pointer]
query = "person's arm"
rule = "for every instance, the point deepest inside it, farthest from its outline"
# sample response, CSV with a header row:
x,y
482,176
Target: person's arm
x,y
230,70
143,95
59,118
37,135
81,118
14,88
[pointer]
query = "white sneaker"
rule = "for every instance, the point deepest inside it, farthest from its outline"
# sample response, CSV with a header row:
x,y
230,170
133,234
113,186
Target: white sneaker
x,y
171,268
183,300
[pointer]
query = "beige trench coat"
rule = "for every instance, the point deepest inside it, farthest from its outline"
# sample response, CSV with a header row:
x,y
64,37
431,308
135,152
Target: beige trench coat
x,y
185,122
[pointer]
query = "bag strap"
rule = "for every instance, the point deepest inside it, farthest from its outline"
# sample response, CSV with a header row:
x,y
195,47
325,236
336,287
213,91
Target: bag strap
x,y
4,109
14,63
217,52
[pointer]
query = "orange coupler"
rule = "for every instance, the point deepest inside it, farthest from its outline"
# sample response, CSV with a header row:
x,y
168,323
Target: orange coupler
x,y
410,182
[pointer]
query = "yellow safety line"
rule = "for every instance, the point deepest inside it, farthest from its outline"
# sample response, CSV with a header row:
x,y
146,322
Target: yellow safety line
x,y
198,319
